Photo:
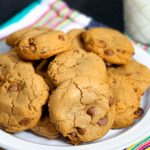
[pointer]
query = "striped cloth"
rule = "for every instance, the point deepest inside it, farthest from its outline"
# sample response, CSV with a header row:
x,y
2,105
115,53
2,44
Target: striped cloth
x,y
57,15
142,145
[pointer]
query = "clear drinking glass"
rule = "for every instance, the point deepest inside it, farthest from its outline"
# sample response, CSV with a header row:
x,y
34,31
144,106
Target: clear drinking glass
x,y
137,19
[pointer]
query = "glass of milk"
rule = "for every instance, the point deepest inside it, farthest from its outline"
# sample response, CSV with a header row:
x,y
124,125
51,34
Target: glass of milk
x,y
137,19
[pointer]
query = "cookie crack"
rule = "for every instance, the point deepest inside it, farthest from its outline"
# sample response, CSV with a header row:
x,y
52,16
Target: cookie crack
x,y
30,105
66,89
81,93
15,65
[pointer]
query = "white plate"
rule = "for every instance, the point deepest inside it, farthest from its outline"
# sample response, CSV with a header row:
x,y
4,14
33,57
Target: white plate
x,y
115,139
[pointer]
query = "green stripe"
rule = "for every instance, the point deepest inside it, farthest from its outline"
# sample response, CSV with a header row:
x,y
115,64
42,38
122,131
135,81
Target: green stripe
x,y
145,140
51,12
74,15
20,15
63,12
45,18
55,20
56,6
148,50
65,23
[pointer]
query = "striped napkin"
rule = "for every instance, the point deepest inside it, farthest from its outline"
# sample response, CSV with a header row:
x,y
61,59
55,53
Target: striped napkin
x,y
57,15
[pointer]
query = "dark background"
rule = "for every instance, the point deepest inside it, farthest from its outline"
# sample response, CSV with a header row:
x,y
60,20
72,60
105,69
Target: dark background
x,y
109,12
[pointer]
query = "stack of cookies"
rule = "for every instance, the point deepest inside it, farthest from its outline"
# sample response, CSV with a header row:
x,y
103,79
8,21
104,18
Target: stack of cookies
x,y
78,85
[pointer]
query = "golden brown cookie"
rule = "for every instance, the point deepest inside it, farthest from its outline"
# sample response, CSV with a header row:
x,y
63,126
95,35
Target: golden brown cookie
x,y
127,100
110,44
137,71
45,128
22,94
41,45
74,36
75,63
82,109
11,39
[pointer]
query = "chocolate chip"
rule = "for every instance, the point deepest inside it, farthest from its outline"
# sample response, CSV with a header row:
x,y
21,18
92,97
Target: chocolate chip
x,y
139,112
114,81
61,37
135,89
111,101
91,111
109,52
102,44
128,74
14,87
31,41
121,50
103,121
81,130
25,121
73,134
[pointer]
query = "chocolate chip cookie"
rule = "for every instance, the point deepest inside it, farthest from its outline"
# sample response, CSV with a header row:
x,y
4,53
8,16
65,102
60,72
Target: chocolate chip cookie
x,y
11,39
22,94
111,45
137,71
36,46
75,63
82,109
74,36
127,100
45,128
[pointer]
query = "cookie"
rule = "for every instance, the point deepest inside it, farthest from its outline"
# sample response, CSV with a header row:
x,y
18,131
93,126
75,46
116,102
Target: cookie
x,y
22,94
82,109
41,69
41,45
75,63
74,36
110,44
11,39
45,128
137,71
127,100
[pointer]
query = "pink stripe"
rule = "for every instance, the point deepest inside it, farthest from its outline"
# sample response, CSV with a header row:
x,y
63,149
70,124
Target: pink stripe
x,y
52,17
50,6
61,21
145,47
143,145
56,14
